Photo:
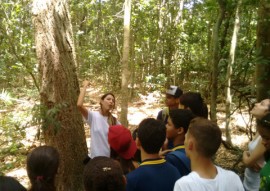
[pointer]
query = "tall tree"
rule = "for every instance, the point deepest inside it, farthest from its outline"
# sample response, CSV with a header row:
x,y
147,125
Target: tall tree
x,y
63,126
215,59
229,73
263,48
125,64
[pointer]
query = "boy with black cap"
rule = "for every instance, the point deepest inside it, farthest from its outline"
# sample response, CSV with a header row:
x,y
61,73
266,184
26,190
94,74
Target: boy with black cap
x,y
172,101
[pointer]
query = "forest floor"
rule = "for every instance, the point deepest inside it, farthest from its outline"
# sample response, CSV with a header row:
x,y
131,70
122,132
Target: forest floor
x,y
144,106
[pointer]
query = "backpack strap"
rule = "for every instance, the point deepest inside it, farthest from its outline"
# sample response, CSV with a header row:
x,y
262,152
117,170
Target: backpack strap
x,y
183,158
165,113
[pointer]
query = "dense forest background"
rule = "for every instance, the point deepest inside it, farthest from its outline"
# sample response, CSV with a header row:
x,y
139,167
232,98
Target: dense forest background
x,y
216,47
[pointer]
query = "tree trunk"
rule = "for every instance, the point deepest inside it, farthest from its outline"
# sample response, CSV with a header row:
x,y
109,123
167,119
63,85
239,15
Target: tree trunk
x,y
215,60
63,125
263,47
125,65
229,74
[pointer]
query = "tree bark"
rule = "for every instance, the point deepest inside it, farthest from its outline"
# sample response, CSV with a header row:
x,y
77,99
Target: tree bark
x,y
63,125
263,49
125,64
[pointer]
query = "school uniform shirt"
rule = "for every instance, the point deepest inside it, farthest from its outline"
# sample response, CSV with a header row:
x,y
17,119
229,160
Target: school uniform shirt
x,y
265,177
152,175
179,159
225,180
99,127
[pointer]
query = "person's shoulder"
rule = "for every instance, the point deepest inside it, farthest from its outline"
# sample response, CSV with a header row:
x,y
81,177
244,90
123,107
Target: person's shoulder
x,y
135,177
225,172
185,183
134,173
228,175
172,169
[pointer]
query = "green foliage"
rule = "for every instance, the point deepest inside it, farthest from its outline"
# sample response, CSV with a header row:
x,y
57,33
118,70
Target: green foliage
x,y
155,82
17,58
45,117
12,131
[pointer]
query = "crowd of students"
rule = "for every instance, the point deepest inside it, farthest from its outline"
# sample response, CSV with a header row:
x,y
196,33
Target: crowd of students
x,y
171,153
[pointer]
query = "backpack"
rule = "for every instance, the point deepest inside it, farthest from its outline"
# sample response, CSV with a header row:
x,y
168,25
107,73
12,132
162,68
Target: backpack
x,y
165,114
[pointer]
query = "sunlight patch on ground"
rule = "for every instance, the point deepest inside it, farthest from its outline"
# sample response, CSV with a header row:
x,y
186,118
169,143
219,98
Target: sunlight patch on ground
x,y
135,116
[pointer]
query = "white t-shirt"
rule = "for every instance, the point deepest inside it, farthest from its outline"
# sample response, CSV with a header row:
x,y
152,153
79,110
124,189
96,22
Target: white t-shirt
x,y
224,181
99,128
252,178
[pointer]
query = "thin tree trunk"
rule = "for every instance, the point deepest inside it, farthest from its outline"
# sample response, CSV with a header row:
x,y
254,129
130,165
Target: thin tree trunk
x,y
263,47
215,60
59,89
229,74
125,64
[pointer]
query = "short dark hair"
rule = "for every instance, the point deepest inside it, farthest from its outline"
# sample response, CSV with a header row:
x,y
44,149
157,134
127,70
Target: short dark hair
x,y
181,118
152,134
207,135
42,165
103,174
195,102
10,183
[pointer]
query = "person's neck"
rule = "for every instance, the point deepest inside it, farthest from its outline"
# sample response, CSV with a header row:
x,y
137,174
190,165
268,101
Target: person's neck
x,y
179,140
104,113
146,156
203,166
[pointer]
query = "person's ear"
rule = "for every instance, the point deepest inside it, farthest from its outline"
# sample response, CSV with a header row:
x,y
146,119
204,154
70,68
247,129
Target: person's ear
x,y
138,143
180,131
191,144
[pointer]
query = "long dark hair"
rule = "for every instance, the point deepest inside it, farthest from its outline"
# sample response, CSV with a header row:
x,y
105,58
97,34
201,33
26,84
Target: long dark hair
x,y
42,165
126,164
195,102
111,118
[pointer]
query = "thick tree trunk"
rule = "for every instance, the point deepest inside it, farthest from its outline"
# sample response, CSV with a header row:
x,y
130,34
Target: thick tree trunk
x,y
59,89
263,47
215,60
229,74
125,65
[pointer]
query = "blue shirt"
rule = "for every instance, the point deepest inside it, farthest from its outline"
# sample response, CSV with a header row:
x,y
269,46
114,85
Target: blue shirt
x,y
153,175
179,159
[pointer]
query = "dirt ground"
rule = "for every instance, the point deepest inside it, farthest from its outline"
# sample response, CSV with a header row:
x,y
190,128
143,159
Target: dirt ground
x,y
148,106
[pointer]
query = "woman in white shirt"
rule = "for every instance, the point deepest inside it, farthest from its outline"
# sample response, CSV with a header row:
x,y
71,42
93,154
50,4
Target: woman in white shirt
x,y
99,122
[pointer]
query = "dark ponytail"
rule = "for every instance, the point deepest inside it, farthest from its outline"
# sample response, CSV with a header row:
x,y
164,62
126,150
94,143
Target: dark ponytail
x,y
42,165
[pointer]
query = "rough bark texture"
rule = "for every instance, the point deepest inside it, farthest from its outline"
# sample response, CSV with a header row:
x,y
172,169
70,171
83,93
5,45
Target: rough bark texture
x,y
125,65
263,47
60,89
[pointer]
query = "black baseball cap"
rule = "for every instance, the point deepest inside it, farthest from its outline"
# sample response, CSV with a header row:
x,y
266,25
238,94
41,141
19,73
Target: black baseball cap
x,y
174,91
